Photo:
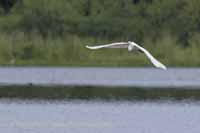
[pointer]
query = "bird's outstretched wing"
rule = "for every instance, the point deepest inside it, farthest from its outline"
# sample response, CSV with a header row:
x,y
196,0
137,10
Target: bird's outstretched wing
x,y
152,59
112,45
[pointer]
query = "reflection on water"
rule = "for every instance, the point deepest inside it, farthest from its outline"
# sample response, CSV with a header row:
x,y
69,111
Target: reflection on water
x,y
73,116
103,93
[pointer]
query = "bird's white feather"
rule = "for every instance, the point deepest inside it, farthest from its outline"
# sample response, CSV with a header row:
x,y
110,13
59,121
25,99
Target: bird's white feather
x,y
112,45
152,59
125,45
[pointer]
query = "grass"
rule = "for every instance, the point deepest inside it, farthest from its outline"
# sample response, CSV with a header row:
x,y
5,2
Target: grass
x,y
33,50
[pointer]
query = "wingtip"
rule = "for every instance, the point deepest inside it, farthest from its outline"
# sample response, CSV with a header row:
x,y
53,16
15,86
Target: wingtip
x,y
88,47
163,67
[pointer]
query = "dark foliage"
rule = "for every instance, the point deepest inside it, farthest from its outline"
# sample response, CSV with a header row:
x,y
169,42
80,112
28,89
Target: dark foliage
x,y
8,4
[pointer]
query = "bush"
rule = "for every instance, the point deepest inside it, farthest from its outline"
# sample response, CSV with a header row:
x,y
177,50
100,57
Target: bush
x,y
43,22
8,4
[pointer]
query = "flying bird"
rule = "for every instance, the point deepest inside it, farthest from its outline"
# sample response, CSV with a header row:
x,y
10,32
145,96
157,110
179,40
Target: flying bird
x,y
131,47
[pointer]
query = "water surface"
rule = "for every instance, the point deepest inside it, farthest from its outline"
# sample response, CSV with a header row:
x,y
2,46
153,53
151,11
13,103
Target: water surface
x,y
98,116
88,100
124,77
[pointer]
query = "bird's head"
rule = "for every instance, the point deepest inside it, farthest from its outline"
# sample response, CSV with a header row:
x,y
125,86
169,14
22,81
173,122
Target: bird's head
x,y
130,46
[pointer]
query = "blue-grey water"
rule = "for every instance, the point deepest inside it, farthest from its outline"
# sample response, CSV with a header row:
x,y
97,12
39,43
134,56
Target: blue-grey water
x,y
97,116
18,116
129,77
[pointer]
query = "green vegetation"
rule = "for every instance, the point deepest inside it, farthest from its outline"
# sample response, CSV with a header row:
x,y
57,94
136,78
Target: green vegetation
x,y
49,32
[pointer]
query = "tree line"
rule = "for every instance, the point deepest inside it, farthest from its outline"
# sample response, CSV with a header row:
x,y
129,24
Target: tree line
x,y
110,19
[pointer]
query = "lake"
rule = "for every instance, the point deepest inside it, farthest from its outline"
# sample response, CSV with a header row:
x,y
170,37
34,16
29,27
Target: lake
x,y
88,100
94,76
31,116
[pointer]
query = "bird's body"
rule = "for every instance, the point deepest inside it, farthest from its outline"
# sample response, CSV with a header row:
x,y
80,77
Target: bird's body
x,y
131,47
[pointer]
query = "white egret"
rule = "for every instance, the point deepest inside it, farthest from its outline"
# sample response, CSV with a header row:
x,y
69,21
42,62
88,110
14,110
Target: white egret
x,y
131,46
